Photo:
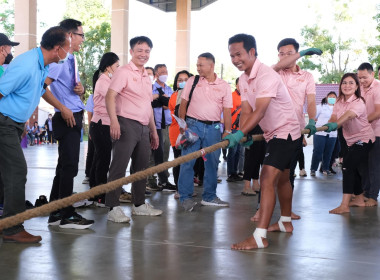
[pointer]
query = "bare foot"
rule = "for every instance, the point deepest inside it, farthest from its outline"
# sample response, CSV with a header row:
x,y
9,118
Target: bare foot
x,y
255,185
366,199
248,244
371,202
295,216
340,210
353,197
276,228
256,218
358,201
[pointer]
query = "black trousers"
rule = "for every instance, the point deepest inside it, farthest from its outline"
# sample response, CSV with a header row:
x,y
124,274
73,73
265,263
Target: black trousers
x,y
295,160
177,153
301,159
355,168
1,190
50,137
158,155
90,155
253,159
13,170
68,158
101,140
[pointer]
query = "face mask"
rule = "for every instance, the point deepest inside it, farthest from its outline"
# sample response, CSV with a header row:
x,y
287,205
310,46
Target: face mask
x,y
331,100
151,79
8,58
64,59
163,78
182,85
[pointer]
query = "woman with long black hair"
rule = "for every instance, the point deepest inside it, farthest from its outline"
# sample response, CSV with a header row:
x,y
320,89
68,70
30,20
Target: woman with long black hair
x,y
350,113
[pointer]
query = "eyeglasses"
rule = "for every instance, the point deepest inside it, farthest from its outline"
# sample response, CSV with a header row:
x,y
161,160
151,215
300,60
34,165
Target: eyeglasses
x,y
79,34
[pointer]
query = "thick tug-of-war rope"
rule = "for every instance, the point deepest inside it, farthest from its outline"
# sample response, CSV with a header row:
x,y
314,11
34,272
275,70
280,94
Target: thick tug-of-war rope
x,y
141,175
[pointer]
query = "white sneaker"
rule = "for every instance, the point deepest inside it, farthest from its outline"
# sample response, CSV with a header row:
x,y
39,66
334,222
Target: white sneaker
x,y
86,180
303,173
146,210
117,215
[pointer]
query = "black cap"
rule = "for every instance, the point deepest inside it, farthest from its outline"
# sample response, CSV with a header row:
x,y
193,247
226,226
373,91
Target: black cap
x,y
4,41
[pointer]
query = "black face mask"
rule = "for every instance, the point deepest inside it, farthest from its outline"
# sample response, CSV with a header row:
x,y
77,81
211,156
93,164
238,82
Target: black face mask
x,y
8,58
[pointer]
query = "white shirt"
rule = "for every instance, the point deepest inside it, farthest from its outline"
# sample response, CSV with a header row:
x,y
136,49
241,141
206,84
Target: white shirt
x,y
323,115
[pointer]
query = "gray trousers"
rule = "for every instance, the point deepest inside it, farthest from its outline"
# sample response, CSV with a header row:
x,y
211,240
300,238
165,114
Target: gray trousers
x,y
374,171
133,144
13,170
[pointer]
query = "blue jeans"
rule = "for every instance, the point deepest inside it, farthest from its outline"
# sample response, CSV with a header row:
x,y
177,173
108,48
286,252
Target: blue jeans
x,y
233,158
208,136
323,148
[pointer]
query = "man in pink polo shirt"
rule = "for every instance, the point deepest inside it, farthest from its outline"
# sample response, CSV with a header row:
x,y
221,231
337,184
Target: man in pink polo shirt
x,y
301,87
210,98
370,91
128,103
266,101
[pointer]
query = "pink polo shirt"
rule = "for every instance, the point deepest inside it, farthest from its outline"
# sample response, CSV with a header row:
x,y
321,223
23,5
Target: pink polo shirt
x,y
357,129
299,84
372,97
134,93
100,92
280,119
208,99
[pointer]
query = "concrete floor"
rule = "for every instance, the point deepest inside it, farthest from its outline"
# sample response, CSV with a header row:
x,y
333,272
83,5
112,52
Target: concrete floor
x,y
196,245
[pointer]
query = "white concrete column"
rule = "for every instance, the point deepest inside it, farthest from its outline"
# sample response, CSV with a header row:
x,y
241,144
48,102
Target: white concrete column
x,y
183,35
119,29
25,25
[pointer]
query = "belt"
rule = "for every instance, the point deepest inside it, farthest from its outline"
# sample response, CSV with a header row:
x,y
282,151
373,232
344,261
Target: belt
x,y
205,122
79,113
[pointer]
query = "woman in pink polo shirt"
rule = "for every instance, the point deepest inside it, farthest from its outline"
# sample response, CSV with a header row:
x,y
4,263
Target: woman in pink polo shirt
x,y
350,113
100,122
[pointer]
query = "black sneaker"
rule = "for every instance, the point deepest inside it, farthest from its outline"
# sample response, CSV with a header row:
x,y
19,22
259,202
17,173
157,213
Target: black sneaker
x,y
54,219
76,221
237,177
40,201
231,178
28,205
151,186
168,187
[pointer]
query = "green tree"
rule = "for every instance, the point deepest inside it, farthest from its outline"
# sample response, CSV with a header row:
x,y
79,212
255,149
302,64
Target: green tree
x,y
7,19
334,61
332,64
374,51
96,20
